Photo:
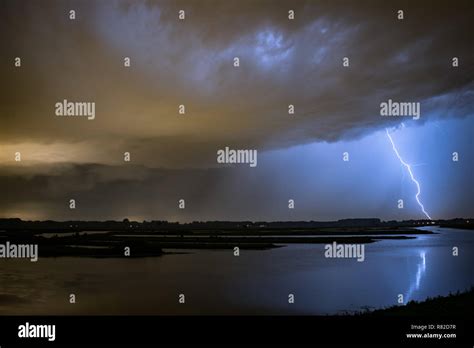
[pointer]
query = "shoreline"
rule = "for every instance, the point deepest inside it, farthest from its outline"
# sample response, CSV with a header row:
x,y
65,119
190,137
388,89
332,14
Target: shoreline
x,y
111,244
459,304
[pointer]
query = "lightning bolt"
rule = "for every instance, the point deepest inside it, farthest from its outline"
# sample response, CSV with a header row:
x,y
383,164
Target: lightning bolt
x,y
411,175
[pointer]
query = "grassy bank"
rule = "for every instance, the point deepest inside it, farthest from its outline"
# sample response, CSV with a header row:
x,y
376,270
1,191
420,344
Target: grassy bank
x,y
453,305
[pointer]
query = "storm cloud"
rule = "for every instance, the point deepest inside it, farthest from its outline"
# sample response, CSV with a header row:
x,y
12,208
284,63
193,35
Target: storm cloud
x,y
190,62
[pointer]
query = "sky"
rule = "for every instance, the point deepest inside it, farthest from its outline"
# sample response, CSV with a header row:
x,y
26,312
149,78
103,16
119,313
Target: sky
x,y
190,62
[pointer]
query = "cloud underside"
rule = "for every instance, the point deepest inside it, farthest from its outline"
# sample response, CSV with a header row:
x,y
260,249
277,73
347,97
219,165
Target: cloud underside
x,y
190,62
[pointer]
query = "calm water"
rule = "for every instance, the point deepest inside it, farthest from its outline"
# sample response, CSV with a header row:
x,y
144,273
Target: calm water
x,y
257,282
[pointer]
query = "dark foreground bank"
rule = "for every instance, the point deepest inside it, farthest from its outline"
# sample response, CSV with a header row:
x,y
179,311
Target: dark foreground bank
x,y
460,304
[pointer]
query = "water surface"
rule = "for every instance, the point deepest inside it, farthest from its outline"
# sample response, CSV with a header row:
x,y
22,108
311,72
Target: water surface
x,y
256,282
